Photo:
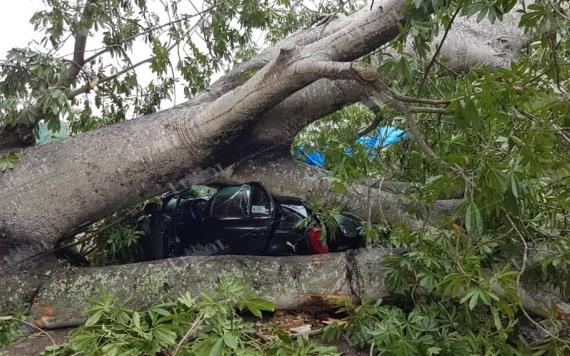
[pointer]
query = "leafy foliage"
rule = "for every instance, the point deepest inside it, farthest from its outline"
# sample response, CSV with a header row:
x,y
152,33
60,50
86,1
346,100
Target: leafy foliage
x,y
435,328
114,239
8,161
101,83
505,128
325,218
116,244
208,325
8,330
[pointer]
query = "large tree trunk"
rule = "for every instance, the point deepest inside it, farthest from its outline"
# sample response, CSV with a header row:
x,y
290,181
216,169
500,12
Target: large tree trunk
x,y
60,186
285,176
56,298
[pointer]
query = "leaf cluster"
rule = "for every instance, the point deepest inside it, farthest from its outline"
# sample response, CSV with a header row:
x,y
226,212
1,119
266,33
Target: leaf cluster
x,y
209,325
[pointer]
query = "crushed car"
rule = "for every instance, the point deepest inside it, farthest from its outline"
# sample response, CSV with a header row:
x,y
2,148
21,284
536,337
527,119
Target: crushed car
x,y
242,219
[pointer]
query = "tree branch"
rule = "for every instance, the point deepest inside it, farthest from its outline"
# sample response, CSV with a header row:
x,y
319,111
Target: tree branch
x,y
434,58
102,50
292,282
426,110
79,46
92,85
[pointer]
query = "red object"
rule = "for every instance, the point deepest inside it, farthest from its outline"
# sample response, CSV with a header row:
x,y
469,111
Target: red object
x,y
315,244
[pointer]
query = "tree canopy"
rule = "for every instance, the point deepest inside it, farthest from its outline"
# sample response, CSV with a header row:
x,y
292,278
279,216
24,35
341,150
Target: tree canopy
x,y
84,68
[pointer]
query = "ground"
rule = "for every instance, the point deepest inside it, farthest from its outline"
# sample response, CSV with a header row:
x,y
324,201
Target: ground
x,y
35,343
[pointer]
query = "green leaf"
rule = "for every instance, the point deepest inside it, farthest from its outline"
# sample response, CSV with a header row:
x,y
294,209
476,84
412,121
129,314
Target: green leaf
x,y
256,305
164,335
471,115
136,320
482,14
217,348
433,350
405,71
473,219
94,318
230,341
9,161
452,283
514,186
472,296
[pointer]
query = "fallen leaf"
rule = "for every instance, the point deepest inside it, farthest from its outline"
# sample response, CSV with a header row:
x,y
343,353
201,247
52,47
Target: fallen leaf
x,y
303,329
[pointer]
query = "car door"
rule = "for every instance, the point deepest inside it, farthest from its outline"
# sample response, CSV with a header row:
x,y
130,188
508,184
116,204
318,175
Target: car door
x,y
241,218
289,233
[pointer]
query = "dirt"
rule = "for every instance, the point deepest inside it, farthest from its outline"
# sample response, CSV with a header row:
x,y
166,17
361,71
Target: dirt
x,y
289,322
34,344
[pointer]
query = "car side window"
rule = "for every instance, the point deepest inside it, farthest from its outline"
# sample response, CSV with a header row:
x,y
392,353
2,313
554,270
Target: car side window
x,y
289,218
260,202
232,202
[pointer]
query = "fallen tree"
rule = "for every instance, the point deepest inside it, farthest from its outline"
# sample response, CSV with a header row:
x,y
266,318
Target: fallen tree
x,y
44,198
294,282
240,129
161,148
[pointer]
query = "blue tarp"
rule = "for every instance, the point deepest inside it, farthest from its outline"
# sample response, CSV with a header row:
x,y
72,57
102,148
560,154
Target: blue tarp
x,y
384,137
45,135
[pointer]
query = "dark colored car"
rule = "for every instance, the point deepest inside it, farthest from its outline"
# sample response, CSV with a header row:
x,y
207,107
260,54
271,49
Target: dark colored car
x,y
242,220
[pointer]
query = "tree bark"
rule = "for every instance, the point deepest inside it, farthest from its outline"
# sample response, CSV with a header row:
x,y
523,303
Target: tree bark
x,y
57,297
65,184
471,43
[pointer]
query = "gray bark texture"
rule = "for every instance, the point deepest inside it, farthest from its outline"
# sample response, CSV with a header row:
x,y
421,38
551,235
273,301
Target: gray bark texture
x,y
57,297
285,176
65,184
69,183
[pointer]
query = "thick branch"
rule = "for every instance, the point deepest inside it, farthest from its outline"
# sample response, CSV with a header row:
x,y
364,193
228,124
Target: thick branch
x,y
470,43
293,282
79,46
285,176
164,147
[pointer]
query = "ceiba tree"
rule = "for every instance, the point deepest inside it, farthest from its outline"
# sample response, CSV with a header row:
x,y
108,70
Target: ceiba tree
x,y
240,129
299,80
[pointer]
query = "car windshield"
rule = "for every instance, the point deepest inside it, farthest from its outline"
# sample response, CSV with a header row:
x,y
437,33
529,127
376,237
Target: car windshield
x,y
232,202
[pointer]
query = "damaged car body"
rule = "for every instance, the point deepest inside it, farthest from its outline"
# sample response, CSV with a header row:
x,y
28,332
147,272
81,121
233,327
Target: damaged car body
x,y
242,219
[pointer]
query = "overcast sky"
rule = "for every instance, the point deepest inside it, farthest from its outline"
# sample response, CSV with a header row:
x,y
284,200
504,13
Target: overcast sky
x,y
16,31
15,27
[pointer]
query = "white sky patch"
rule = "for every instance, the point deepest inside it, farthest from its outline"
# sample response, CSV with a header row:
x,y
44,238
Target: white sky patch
x,y
18,32
15,27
